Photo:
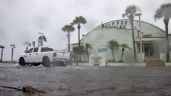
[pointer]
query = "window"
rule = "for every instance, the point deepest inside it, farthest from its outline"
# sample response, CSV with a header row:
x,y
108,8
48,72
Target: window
x,y
126,22
30,50
35,49
117,22
46,49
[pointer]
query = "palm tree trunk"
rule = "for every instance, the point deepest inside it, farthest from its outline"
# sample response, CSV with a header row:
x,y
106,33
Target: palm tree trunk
x,y
12,55
87,55
122,55
166,22
113,56
2,55
79,42
68,41
133,38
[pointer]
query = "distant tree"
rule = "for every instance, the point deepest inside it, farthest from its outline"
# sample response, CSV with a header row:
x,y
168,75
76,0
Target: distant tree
x,y
164,12
12,52
27,44
78,21
87,47
68,29
123,46
130,13
33,43
78,50
41,39
113,45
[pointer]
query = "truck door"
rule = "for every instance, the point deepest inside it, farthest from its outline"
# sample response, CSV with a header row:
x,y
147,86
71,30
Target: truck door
x,y
35,55
28,56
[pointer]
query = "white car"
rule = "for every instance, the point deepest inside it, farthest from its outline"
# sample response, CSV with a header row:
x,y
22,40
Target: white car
x,y
45,56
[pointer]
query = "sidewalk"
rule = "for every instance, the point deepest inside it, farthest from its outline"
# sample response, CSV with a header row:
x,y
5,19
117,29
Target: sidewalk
x,y
120,64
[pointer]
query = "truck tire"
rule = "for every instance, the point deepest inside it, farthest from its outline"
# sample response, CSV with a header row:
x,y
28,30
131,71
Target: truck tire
x,y
46,62
22,62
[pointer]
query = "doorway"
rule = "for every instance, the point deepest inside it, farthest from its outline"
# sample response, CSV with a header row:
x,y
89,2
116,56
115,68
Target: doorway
x,y
151,50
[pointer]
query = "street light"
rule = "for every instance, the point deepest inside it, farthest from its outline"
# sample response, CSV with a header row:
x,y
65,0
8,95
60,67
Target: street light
x,y
138,13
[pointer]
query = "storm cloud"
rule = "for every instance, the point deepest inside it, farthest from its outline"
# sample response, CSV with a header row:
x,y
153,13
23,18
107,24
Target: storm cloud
x,y
22,20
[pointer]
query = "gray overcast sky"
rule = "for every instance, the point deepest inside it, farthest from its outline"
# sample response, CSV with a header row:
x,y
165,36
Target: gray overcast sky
x,y
21,20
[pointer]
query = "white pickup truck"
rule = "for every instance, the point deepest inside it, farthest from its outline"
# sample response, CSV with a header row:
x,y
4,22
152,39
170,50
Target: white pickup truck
x,y
45,56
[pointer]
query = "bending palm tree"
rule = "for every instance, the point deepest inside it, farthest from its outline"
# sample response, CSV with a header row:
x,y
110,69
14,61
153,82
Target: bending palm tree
x,y
77,50
41,39
130,13
87,47
68,29
78,21
27,44
164,11
113,45
123,46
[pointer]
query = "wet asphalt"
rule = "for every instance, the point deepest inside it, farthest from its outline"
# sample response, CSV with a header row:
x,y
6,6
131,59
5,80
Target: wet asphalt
x,y
87,81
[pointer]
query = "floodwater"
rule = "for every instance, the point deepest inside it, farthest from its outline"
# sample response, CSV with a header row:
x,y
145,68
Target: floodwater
x,y
87,81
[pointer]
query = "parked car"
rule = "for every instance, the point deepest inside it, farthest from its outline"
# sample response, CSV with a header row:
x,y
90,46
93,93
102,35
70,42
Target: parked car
x,y
45,56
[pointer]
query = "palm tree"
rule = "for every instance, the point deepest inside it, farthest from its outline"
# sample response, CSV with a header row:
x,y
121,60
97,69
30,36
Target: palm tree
x,y
78,21
130,13
77,50
12,52
68,29
87,47
164,11
41,39
123,46
33,43
27,44
113,45
2,48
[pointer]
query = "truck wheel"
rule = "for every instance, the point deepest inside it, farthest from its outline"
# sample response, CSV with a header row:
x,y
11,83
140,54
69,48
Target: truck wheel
x,y
22,62
46,62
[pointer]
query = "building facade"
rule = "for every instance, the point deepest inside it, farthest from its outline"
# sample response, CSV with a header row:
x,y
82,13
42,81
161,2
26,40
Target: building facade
x,y
150,41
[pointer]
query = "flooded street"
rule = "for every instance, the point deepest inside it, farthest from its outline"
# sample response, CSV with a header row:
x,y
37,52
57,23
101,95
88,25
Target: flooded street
x,y
87,81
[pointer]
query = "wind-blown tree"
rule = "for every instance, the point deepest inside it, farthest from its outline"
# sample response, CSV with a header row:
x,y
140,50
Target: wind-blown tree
x,y
33,43
77,50
113,45
123,46
164,12
78,21
68,29
87,47
130,13
27,44
42,38
2,48
12,52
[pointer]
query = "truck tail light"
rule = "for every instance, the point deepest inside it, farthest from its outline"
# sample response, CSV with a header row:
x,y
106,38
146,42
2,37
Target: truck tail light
x,y
54,54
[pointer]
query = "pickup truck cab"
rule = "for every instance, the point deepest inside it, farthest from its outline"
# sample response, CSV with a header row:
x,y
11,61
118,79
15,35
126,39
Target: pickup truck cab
x,y
45,56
